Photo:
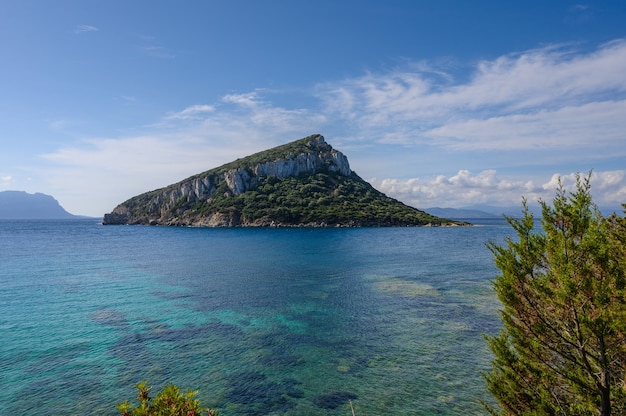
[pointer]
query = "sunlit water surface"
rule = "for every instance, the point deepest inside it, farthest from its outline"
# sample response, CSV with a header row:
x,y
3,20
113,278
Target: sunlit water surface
x,y
260,321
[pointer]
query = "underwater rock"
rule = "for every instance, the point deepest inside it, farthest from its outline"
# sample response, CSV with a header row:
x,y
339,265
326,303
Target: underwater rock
x,y
260,395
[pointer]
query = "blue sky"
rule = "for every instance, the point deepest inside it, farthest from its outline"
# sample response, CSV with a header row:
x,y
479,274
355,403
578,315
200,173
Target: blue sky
x,y
446,103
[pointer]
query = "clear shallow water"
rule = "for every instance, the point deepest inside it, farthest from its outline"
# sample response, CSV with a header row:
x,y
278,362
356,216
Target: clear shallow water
x,y
260,321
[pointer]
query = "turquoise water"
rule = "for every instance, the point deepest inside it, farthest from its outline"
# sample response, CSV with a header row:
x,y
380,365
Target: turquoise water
x,y
260,321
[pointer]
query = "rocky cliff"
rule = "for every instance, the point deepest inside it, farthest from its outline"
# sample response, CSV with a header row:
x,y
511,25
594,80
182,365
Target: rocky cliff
x,y
305,182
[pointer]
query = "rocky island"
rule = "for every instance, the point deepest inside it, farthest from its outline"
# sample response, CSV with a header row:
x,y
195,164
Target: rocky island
x,y
304,183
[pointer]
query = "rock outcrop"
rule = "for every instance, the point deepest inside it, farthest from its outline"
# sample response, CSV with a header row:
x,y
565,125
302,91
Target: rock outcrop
x,y
319,155
220,197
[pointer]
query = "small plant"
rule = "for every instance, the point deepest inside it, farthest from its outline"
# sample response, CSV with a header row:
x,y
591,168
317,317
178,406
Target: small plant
x,y
168,402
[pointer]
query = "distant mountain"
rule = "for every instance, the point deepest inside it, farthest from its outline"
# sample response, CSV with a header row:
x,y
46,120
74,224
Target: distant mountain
x,y
22,205
493,212
457,213
511,211
482,212
302,183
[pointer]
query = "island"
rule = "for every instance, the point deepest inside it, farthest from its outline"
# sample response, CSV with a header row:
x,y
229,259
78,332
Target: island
x,y
304,183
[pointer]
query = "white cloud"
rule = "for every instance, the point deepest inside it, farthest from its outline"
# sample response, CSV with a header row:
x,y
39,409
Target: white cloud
x,y
608,187
250,99
58,124
251,111
548,77
194,112
487,187
578,8
85,28
590,126
541,96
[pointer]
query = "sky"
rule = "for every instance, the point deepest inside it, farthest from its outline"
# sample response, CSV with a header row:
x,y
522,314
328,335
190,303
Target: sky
x,y
438,103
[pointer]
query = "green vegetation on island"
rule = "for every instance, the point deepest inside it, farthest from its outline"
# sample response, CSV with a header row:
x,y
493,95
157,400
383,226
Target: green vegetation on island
x,y
302,183
324,198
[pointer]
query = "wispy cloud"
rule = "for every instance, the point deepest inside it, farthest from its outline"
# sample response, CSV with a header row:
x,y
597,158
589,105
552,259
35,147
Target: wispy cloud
x,y
150,46
589,127
157,51
194,112
579,14
85,28
528,90
579,8
551,107
58,124
250,99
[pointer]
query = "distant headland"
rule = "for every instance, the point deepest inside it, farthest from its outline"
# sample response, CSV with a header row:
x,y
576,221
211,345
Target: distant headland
x,y
22,205
304,183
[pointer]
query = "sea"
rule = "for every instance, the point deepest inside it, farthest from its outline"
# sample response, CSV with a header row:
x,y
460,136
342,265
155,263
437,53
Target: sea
x,y
260,321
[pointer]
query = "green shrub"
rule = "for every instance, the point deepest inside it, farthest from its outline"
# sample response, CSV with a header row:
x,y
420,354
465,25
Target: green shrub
x,y
168,402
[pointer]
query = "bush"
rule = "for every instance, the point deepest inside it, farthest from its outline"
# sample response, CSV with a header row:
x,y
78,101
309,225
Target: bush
x,y
168,402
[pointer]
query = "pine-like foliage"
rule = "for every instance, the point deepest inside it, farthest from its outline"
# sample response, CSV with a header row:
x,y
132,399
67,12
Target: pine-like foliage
x,y
170,401
562,348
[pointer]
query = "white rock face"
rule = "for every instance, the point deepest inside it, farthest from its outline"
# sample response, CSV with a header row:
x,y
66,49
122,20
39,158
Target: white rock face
x,y
200,188
304,163
241,180
238,180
